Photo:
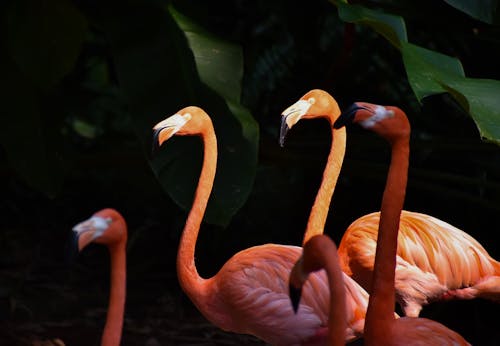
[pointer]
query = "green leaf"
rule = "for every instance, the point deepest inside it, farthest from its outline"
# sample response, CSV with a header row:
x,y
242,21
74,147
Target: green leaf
x,y
159,75
219,63
390,26
431,73
484,104
44,38
427,69
483,10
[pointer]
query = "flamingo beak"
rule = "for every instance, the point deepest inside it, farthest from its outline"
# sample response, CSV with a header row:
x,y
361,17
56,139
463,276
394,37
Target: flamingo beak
x,y
85,232
291,116
347,116
295,294
165,129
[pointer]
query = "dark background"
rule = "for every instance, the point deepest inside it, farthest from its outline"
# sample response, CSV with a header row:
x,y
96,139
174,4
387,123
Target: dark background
x,y
454,175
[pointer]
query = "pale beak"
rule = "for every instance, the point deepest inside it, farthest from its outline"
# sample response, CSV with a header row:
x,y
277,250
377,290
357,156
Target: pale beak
x,y
85,232
165,129
291,116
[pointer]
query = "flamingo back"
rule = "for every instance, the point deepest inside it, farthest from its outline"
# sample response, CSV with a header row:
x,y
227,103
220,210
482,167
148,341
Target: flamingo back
x,y
434,257
253,289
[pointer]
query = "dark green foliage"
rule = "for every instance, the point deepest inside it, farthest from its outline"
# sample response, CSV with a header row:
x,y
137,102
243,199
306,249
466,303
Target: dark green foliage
x,y
83,82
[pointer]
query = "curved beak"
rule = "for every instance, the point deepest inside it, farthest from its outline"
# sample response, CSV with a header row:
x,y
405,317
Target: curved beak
x,y
85,232
291,116
295,294
347,116
165,129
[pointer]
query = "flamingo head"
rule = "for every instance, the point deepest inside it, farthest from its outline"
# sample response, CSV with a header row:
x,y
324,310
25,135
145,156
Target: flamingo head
x,y
387,121
188,121
316,103
106,226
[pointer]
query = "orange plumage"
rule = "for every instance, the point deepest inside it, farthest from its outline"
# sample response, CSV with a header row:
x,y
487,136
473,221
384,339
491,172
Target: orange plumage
x,y
249,294
381,328
435,261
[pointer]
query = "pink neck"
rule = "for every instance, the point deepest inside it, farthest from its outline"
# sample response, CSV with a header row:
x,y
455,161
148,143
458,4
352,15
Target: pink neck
x,y
321,253
114,320
321,206
382,298
189,279
337,321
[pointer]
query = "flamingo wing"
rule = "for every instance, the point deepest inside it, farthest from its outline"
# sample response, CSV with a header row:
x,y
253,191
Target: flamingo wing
x,y
253,287
433,259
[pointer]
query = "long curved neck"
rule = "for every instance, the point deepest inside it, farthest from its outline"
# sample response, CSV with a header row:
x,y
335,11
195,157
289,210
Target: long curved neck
x,y
319,211
337,321
382,298
189,279
114,320
319,254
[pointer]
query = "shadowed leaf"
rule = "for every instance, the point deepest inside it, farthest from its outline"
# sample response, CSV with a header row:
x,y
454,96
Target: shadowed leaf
x,y
159,71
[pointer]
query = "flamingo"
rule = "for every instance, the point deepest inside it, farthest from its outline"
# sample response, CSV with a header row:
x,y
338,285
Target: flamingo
x,y
381,328
249,294
319,253
318,103
108,227
431,265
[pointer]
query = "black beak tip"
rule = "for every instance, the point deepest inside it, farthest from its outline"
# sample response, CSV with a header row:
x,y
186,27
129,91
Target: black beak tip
x,y
347,116
283,132
71,248
155,145
295,294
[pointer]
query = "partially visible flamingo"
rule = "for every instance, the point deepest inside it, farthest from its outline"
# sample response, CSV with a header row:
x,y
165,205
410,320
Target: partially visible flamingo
x,y
108,227
318,103
319,253
430,261
381,328
249,294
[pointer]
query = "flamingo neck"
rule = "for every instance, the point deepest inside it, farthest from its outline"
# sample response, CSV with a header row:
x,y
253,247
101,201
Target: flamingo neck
x,y
382,298
114,320
337,321
318,254
189,279
319,210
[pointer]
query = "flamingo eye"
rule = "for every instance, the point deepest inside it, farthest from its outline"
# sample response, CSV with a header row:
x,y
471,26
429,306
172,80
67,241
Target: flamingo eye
x,y
311,100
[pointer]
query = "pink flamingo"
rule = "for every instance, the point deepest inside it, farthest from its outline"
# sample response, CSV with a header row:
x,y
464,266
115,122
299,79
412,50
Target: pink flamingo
x,y
319,253
249,294
108,227
319,104
381,328
430,261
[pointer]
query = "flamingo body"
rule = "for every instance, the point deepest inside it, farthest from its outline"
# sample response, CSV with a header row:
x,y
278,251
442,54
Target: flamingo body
x,y
252,288
435,261
249,294
381,328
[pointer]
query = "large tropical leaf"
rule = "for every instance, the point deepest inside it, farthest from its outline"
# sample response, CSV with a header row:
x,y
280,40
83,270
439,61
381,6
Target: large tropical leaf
x,y
430,72
483,104
390,26
159,75
427,70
